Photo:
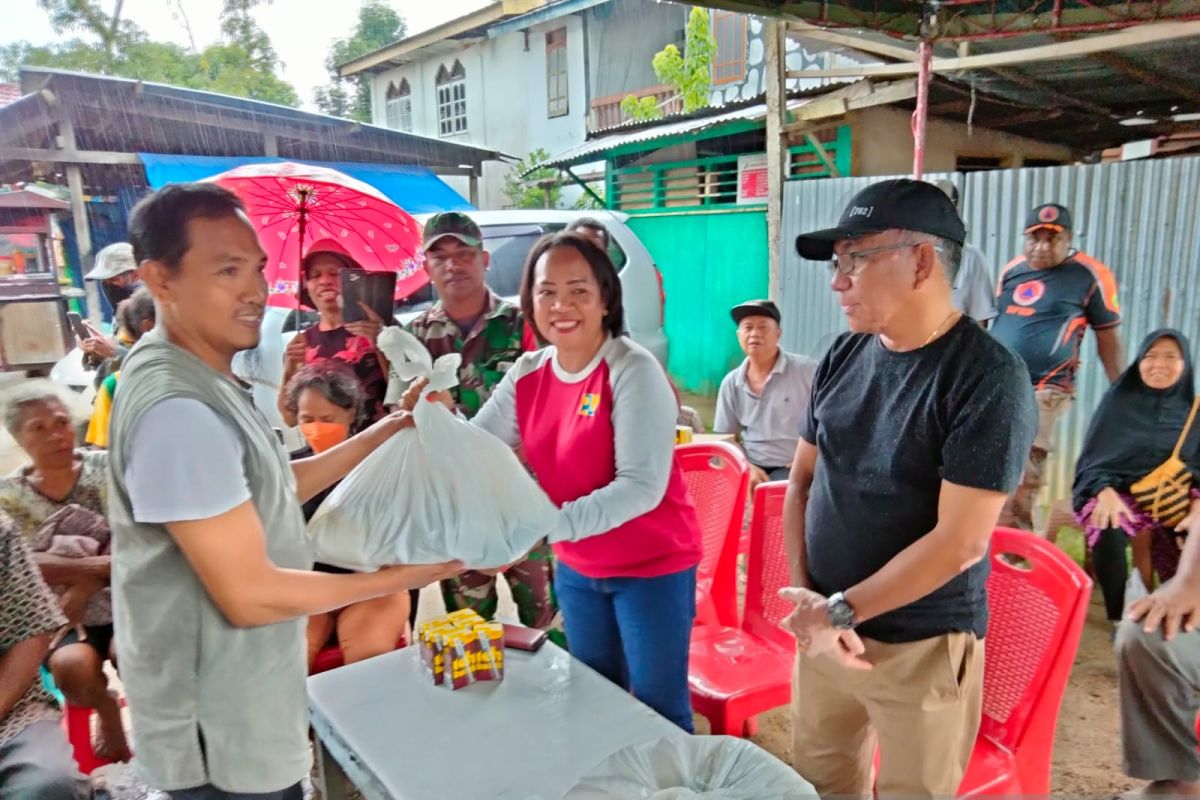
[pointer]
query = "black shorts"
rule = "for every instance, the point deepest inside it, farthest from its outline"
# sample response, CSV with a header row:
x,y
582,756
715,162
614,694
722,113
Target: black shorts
x,y
98,637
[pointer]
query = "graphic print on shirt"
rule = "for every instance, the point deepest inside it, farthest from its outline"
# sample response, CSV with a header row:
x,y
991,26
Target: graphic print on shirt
x,y
589,404
1029,292
1046,313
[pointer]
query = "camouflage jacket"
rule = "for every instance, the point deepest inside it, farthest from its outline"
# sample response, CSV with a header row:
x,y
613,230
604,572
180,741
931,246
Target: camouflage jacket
x,y
492,346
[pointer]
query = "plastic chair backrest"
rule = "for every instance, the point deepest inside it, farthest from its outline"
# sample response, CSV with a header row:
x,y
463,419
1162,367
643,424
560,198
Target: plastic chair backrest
x,y
767,567
716,475
1036,610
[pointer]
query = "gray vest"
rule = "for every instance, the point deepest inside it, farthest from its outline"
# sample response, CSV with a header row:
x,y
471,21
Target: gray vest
x,y
211,703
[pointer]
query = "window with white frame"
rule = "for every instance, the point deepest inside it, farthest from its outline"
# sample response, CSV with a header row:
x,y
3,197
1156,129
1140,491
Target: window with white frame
x,y
556,73
452,99
399,106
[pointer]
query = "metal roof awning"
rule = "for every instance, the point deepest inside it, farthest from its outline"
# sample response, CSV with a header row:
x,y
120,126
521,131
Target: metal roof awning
x,y
415,189
113,119
444,38
642,137
1097,73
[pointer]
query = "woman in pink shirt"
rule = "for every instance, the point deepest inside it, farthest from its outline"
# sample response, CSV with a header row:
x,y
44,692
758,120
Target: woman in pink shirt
x,y
594,416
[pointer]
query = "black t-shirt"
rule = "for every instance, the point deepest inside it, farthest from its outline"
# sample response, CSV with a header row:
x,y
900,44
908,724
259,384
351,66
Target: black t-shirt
x,y
1044,314
889,428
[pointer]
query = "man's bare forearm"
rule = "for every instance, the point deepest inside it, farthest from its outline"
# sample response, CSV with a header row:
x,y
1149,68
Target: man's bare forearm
x,y
793,534
915,572
1188,573
286,594
1108,345
59,570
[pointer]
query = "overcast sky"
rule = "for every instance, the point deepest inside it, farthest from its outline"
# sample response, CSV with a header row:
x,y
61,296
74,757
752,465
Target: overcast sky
x,y
300,29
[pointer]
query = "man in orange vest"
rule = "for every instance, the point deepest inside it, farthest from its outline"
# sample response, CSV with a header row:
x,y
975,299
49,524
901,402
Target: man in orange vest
x,y
1048,297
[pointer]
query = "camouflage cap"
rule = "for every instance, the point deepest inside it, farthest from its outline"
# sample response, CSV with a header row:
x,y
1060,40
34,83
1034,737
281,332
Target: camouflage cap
x,y
453,224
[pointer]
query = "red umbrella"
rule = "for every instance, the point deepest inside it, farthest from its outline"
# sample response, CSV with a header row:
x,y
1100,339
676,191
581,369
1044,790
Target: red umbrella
x,y
293,205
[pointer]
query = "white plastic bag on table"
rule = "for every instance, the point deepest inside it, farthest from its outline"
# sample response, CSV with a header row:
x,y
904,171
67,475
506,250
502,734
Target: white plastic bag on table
x,y
678,767
445,490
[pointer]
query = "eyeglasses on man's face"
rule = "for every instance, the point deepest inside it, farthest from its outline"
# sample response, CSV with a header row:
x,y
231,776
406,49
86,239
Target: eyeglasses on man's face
x,y
851,264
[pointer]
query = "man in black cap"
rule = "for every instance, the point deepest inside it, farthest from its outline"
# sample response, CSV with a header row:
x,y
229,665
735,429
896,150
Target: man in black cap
x,y
1048,298
765,398
917,430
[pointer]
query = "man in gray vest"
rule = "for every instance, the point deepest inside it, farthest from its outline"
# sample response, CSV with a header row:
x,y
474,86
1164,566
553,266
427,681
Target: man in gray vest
x,y
211,566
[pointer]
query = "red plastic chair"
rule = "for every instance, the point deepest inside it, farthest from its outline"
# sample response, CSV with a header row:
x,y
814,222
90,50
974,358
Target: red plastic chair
x,y
1037,611
717,475
737,673
77,725
332,657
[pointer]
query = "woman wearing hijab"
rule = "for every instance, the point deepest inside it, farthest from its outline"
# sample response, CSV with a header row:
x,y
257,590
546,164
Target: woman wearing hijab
x,y
1144,420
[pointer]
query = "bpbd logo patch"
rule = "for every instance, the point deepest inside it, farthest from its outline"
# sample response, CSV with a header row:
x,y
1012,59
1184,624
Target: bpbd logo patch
x,y
1028,293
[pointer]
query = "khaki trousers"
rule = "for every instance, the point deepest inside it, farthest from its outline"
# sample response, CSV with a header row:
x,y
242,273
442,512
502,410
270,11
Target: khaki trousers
x,y
921,703
1053,405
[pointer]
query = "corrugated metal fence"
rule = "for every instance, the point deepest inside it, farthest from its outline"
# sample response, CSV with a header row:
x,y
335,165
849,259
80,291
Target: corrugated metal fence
x,y
1141,218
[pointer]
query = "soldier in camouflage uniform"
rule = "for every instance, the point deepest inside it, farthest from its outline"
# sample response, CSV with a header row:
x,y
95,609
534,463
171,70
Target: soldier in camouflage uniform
x,y
490,334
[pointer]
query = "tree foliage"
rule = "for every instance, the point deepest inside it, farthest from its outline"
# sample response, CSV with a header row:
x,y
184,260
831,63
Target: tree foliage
x,y
689,73
243,63
378,25
534,190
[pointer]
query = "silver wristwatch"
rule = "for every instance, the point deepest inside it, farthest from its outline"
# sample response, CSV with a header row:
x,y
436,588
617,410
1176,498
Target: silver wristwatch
x,y
841,613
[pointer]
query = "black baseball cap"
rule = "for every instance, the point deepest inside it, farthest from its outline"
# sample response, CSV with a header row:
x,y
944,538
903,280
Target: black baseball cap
x,y
1051,216
451,224
755,308
903,203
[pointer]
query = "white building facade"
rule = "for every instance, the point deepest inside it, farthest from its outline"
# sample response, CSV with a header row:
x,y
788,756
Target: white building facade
x,y
523,75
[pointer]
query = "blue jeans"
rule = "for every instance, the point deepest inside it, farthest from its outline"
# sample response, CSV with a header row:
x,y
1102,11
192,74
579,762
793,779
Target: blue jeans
x,y
635,632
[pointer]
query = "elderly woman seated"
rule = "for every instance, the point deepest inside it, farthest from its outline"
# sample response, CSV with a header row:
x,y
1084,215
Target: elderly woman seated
x,y
59,504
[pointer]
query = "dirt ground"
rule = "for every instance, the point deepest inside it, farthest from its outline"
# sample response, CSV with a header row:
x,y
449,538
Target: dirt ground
x,y
1087,756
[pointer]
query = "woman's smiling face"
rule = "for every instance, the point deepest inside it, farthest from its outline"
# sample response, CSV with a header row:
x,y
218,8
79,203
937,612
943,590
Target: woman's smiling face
x,y
1162,366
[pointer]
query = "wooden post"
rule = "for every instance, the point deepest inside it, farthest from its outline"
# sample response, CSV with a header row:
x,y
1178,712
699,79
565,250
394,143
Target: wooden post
x,y
776,57
83,241
79,217
921,115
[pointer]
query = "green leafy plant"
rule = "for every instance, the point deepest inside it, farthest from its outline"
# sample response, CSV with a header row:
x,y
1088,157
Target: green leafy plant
x,y
378,26
689,73
587,202
538,189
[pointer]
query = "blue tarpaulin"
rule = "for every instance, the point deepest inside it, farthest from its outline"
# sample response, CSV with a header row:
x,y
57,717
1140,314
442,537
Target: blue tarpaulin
x,y
415,189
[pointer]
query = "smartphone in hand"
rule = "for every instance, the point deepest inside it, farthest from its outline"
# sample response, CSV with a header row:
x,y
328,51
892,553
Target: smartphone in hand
x,y
375,289
77,325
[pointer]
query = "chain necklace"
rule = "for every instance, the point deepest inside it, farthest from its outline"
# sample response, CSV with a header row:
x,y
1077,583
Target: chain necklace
x,y
934,332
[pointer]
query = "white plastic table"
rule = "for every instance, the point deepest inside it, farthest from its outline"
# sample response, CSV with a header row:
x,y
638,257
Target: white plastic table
x,y
533,735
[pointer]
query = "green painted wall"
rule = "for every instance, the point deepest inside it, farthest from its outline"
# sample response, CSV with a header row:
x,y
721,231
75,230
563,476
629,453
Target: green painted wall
x,y
710,262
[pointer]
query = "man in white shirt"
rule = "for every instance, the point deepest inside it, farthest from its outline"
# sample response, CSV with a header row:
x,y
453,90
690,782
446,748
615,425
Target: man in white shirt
x,y
766,397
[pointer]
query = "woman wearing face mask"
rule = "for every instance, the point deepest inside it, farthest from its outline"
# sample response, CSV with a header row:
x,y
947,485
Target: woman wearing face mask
x,y
1138,426
327,401
332,338
594,416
